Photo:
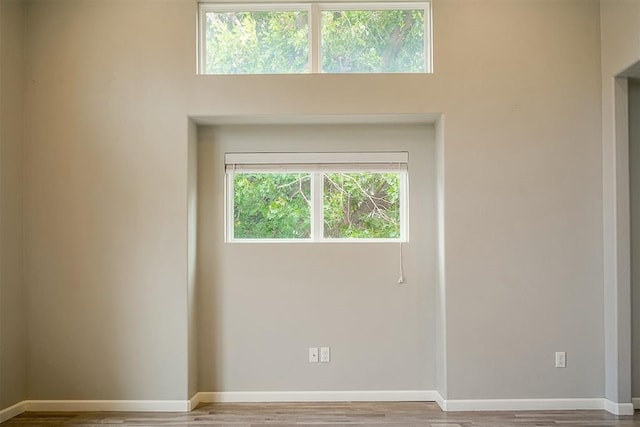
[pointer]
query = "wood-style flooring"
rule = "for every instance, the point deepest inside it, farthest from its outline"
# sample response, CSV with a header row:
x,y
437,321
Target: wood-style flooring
x,y
376,414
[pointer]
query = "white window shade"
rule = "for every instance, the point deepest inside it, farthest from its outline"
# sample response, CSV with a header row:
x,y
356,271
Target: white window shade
x,y
391,161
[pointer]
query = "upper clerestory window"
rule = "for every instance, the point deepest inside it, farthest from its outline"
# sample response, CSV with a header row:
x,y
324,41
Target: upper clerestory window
x,y
294,38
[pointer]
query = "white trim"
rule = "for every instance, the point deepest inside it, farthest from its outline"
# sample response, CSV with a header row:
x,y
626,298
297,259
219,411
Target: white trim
x,y
321,240
194,401
373,5
107,405
317,207
618,408
307,168
404,206
440,401
201,45
229,196
320,396
428,39
315,38
274,158
12,411
323,119
522,404
253,7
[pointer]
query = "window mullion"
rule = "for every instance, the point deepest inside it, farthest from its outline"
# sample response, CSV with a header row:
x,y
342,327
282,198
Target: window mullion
x,y
317,216
229,211
314,16
404,206
428,37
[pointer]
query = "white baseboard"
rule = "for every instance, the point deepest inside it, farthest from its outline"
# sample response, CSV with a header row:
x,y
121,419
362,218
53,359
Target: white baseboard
x,y
538,405
440,401
12,411
319,396
619,408
194,401
107,405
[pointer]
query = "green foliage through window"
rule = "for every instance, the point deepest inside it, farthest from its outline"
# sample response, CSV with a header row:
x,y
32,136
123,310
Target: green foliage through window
x,y
356,39
271,206
373,41
257,42
363,205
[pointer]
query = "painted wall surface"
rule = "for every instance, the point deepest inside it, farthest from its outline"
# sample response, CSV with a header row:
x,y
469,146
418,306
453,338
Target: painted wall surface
x,y
12,294
106,198
522,197
265,304
106,190
620,45
192,211
634,185
441,291
620,27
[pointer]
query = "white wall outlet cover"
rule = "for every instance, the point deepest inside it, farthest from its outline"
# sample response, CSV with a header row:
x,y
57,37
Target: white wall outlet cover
x,y
313,354
561,359
325,354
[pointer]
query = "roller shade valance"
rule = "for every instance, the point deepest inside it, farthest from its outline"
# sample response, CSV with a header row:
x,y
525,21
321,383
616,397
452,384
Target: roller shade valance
x,y
381,161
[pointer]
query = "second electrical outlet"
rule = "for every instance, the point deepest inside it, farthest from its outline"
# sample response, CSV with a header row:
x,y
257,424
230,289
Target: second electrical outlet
x,y
325,354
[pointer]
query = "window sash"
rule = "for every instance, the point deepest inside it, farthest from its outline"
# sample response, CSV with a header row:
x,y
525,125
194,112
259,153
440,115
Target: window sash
x,y
317,195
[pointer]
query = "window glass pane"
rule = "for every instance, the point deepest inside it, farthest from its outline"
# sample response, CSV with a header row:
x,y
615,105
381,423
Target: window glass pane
x,y
271,206
365,41
361,205
256,42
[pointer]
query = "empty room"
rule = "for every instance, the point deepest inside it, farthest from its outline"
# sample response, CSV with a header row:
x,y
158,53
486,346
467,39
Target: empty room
x,y
383,213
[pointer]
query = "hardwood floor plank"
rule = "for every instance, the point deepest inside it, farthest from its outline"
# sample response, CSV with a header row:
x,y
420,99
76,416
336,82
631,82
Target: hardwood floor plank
x,y
375,414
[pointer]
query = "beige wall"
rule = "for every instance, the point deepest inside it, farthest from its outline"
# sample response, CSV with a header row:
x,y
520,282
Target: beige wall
x,y
106,198
12,294
620,44
522,197
107,189
265,304
192,236
441,292
634,181
620,25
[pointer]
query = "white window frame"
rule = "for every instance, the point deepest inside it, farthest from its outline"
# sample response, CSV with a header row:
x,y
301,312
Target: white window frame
x,y
316,164
314,16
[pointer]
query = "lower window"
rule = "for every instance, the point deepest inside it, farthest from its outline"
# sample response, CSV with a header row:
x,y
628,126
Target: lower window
x,y
289,202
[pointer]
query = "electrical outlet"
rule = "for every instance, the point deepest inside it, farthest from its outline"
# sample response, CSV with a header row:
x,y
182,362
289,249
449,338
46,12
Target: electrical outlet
x,y
325,354
561,359
313,354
